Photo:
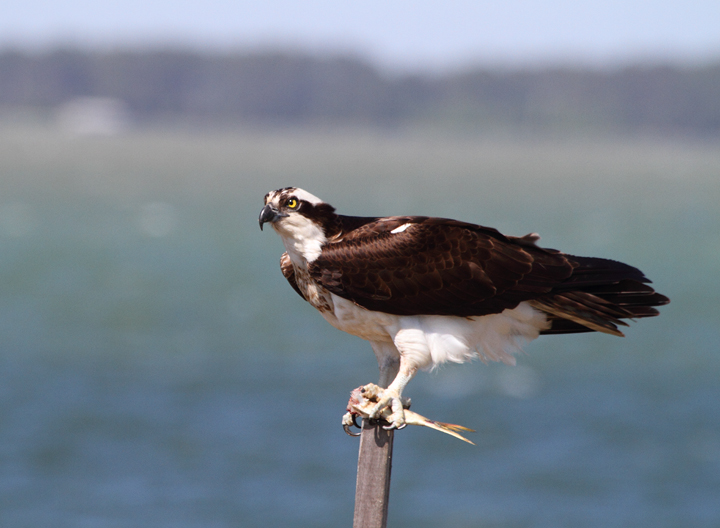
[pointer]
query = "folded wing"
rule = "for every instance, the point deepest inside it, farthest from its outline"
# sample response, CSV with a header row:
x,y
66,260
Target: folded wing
x,y
433,266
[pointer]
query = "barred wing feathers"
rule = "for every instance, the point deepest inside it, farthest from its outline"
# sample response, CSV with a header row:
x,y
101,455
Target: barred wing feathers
x,y
434,266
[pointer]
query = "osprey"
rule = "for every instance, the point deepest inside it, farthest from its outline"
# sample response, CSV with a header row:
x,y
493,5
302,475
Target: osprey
x,y
425,291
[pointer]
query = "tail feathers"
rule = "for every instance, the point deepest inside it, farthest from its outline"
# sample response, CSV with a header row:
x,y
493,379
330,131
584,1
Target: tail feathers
x,y
600,308
591,272
585,310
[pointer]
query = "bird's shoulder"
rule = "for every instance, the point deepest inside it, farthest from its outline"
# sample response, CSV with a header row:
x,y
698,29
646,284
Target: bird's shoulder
x,y
357,229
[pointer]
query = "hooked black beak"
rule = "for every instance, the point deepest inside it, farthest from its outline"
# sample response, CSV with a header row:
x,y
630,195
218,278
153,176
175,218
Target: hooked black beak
x,y
268,214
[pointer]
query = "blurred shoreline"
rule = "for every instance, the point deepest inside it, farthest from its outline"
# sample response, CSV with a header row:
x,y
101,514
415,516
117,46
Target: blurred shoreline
x,y
106,91
45,158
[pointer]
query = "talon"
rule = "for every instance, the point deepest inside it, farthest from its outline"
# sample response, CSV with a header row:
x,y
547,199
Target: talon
x,y
348,420
396,420
346,427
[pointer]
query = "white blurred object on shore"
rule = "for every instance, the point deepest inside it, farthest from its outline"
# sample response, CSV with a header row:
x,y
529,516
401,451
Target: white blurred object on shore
x,y
93,116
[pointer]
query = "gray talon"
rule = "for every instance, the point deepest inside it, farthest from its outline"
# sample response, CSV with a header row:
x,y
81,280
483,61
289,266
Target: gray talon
x,y
347,429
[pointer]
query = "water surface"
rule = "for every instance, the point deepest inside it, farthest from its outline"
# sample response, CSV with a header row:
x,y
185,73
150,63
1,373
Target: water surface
x,y
156,370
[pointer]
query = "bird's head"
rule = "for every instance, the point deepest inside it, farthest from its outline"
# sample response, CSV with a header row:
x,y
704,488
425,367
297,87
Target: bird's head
x,y
303,220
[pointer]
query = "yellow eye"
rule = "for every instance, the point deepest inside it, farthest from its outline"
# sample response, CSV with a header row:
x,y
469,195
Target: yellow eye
x,y
292,203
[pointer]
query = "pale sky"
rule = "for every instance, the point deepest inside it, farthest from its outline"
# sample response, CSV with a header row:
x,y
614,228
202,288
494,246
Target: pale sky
x,y
404,34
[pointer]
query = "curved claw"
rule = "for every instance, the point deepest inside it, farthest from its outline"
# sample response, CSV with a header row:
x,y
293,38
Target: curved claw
x,y
349,432
346,427
393,426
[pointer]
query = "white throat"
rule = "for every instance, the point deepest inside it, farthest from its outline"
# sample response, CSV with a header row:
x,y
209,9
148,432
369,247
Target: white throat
x,y
303,238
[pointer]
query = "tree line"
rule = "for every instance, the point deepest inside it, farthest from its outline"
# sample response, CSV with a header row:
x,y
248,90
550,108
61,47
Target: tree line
x,y
285,88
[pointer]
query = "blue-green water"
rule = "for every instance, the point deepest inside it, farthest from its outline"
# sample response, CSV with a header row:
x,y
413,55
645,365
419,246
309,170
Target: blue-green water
x,y
156,370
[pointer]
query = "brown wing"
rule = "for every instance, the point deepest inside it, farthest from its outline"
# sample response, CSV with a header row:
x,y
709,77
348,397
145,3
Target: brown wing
x,y
437,266
289,272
